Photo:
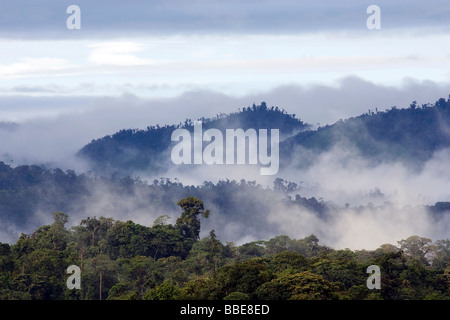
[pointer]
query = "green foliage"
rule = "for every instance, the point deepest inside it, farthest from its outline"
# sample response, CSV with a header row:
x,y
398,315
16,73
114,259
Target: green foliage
x,y
128,261
288,262
237,296
189,223
298,286
165,291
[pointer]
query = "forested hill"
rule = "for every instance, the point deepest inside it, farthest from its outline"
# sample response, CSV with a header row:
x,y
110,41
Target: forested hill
x,y
409,135
132,150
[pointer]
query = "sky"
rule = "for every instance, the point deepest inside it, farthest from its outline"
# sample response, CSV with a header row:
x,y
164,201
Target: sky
x,y
245,50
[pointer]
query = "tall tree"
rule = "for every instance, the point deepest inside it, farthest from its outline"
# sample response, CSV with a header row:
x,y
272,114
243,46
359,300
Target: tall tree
x,y
58,234
416,247
188,223
101,274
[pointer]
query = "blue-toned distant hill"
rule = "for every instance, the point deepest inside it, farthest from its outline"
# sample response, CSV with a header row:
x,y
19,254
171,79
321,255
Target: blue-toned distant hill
x,y
132,150
408,135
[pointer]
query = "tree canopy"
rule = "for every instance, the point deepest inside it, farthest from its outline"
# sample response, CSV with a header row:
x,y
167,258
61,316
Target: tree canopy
x,y
126,260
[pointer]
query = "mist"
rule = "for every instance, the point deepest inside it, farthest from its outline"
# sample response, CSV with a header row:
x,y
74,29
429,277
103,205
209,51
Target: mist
x,y
372,205
369,204
51,129
362,213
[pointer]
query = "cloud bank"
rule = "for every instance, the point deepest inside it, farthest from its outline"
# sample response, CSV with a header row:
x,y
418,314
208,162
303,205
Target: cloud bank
x,y
46,18
56,127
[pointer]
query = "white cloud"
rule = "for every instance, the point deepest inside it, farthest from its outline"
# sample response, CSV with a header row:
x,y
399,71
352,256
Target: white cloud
x,y
232,64
34,67
119,53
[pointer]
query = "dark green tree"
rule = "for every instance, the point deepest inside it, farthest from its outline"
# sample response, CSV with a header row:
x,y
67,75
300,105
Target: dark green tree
x,y
299,286
188,223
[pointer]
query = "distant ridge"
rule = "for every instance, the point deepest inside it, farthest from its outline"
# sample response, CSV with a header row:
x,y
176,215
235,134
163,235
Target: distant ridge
x,y
410,135
135,150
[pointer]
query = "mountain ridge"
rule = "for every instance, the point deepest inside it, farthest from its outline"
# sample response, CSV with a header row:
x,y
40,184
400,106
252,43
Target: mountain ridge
x,y
410,135
142,149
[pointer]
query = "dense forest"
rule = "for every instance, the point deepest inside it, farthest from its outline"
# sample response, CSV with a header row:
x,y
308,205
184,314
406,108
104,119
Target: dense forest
x,y
125,260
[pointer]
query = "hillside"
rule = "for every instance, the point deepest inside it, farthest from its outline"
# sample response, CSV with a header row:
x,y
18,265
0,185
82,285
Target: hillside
x,y
131,150
409,135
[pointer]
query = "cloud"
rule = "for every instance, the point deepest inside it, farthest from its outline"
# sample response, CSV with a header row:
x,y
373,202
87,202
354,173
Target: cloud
x,y
117,53
385,201
55,127
342,176
47,19
360,228
350,96
151,66
29,67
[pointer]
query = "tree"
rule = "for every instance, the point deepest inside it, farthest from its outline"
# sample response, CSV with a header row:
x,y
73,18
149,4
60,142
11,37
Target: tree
x,y
243,277
447,277
136,275
128,239
97,229
166,240
161,220
206,255
101,273
251,250
59,235
441,254
165,291
278,244
289,262
237,296
197,289
308,246
299,286
416,247
188,223
392,264
6,260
